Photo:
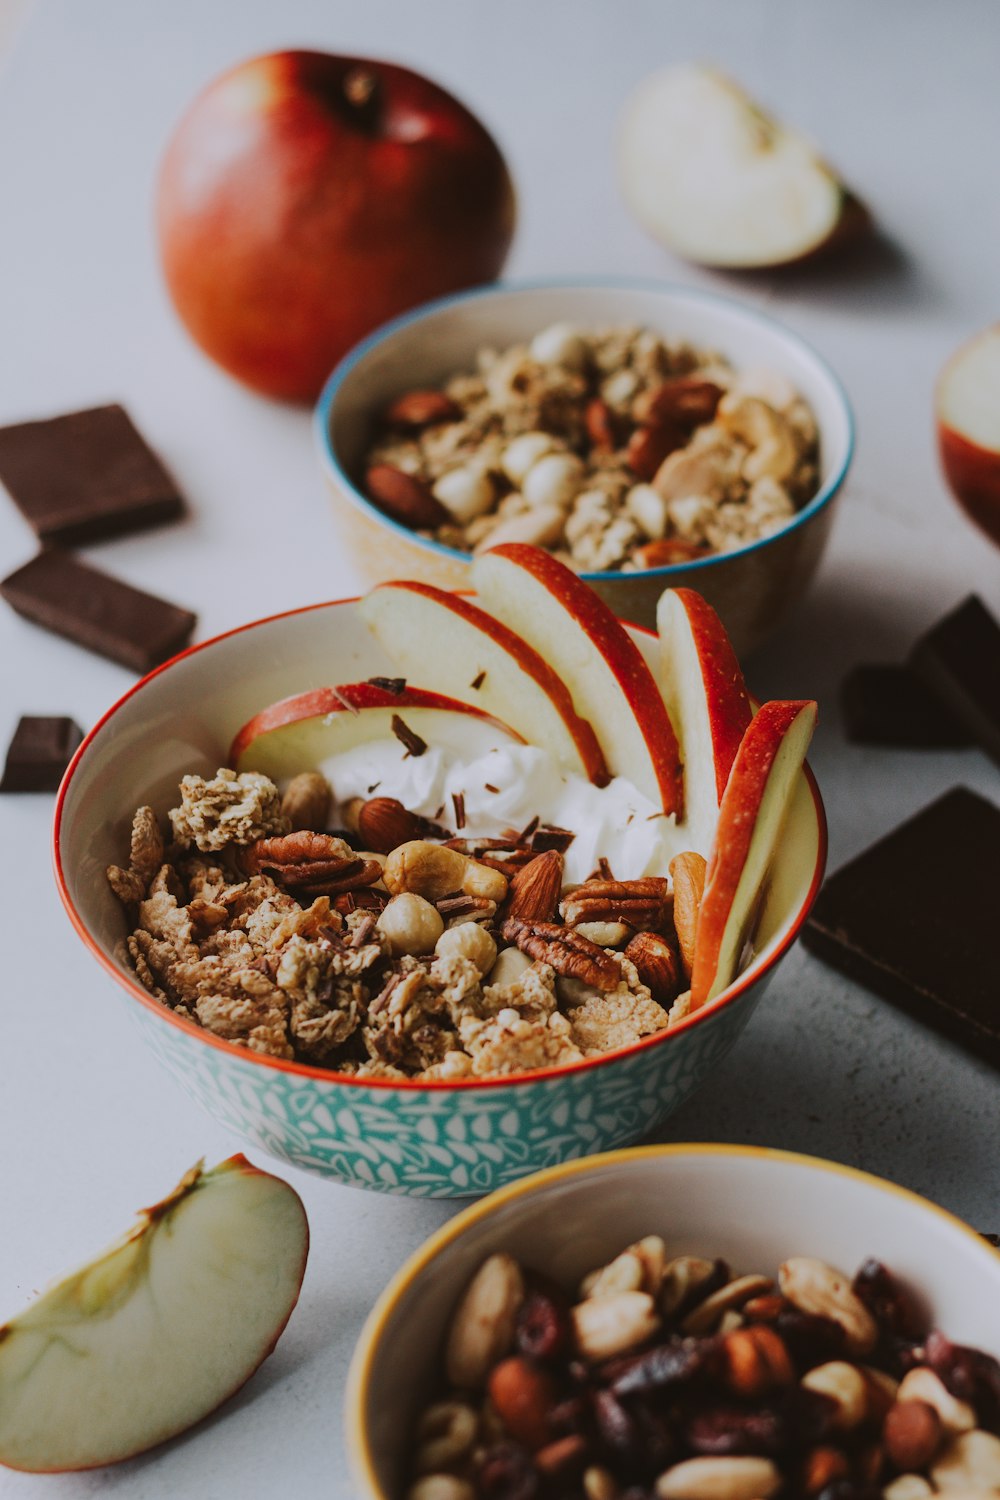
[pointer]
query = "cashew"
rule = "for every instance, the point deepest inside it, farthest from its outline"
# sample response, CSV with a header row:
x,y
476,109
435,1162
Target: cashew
x,y
970,1462
775,451
720,1479
605,1326
482,1328
446,1433
605,934
441,1487
921,1384
845,1385
815,1287
702,1318
559,344
509,967
523,452
693,471
466,492
410,924
648,509
682,1275
538,528
432,871
468,940
553,480
623,1274
907,1487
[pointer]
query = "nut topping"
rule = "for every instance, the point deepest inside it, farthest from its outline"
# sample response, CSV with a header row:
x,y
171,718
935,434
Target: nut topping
x,y
403,498
383,823
421,409
641,903
533,893
687,871
657,965
565,951
306,803
315,862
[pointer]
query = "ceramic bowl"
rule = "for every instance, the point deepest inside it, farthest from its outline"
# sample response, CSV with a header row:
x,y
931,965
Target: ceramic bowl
x,y
425,1139
752,589
753,1207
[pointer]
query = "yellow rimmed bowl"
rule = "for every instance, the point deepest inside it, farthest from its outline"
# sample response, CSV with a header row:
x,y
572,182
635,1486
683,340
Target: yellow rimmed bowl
x,y
435,1139
753,589
753,1207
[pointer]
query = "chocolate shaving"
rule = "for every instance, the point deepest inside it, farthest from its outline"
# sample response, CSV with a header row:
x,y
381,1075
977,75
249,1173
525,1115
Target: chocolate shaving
x,y
478,681
550,837
528,830
374,787
489,787
406,736
458,798
394,685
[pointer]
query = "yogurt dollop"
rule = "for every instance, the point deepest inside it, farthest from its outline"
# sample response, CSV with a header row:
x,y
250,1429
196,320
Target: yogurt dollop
x,y
506,787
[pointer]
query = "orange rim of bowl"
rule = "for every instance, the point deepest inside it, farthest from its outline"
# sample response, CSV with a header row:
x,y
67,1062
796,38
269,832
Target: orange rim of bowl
x,y
359,1371
729,996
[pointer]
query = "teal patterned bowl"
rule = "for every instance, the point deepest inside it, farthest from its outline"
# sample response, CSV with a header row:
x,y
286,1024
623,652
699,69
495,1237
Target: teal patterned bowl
x,y
440,1140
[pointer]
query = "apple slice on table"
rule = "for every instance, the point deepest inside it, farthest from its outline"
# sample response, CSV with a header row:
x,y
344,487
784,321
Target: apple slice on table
x,y
967,405
707,701
604,670
753,808
299,733
155,1333
717,180
451,644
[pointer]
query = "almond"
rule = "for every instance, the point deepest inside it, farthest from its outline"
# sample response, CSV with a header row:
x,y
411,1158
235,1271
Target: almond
x,y
687,871
684,402
656,964
384,824
666,551
534,890
403,498
649,446
417,409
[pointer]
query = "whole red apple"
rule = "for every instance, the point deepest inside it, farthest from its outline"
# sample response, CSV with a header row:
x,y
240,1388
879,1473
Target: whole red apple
x,y
305,198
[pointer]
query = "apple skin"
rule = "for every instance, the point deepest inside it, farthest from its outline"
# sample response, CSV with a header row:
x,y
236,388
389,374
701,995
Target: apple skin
x,y
305,198
466,622
753,806
973,474
502,575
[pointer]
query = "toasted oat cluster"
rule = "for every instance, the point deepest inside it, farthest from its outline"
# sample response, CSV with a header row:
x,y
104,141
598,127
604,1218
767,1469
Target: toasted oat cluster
x,y
426,956
615,449
672,1378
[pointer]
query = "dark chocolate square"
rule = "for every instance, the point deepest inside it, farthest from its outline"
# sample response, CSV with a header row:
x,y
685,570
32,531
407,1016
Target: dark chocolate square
x,y
959,660
97,611
86,476
885,704
39,753
914,918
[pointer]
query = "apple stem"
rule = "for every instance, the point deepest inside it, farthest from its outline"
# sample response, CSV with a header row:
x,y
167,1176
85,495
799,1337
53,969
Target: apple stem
x,y
361,91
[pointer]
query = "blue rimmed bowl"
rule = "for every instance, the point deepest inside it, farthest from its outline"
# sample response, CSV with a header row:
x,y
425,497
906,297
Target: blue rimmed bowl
x,y
753,589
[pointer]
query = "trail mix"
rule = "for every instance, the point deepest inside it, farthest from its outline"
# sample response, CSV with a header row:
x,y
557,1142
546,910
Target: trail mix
x,y
671,1378
393,948
614,449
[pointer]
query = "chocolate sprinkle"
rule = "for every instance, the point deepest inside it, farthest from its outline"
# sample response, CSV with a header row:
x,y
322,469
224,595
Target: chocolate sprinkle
x,y
489,787
478,681
408,737
550,837
458,798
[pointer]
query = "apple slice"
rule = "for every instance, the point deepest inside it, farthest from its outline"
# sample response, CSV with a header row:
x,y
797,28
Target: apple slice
x,y
750,817
967,403
707,701
453,645
155,1333
717,180
603,668
299,733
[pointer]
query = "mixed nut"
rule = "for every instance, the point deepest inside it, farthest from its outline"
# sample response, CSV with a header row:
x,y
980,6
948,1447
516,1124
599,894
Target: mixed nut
x,y
670,1377
614,449
391,947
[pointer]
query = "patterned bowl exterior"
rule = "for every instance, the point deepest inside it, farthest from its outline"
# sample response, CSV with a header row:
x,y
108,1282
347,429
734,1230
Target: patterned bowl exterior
x,y
446,1144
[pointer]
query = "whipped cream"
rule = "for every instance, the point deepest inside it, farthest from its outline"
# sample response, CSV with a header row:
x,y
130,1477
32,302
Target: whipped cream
x,y
506,787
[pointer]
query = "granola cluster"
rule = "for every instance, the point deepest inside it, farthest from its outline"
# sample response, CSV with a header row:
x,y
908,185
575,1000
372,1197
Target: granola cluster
x,y
432,958
615,449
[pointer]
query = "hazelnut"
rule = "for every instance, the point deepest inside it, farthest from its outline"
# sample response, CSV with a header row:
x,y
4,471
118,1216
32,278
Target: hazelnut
x,y
410,925
384,823
468,940
509,967
306,803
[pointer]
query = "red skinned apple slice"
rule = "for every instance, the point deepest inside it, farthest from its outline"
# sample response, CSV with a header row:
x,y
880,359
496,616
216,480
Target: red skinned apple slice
x,y
458,648
717,180
968,423
707,701
603,668
753,808
155,1333
299,733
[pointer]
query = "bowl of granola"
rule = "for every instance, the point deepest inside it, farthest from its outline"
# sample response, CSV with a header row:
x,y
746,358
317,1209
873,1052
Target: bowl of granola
x,y
648,435
685,1321
426,934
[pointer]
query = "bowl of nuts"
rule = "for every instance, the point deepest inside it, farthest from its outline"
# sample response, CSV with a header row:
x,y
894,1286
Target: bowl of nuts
x,y
424,920
649,436
691,1323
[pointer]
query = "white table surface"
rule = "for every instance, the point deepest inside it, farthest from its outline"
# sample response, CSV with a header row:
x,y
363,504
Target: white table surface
x,y
903,97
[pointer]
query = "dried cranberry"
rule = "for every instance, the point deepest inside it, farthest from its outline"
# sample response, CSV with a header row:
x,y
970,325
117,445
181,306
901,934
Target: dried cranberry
x,y
732,1429
893,1305
543,1330
570,1416
969,1374
812,1340
616,1427
507,1472
672,1366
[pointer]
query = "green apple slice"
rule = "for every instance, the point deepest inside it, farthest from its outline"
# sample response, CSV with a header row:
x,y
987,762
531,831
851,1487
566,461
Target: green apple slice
x,y
152,1335
717,180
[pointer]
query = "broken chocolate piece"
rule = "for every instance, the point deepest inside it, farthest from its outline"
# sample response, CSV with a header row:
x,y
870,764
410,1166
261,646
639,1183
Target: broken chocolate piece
x,y
883,704
959,660
914,917
86,476
39,753
97,611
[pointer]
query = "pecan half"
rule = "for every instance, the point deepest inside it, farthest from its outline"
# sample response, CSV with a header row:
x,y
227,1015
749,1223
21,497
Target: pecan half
x,y
643,903
566,951
313,863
